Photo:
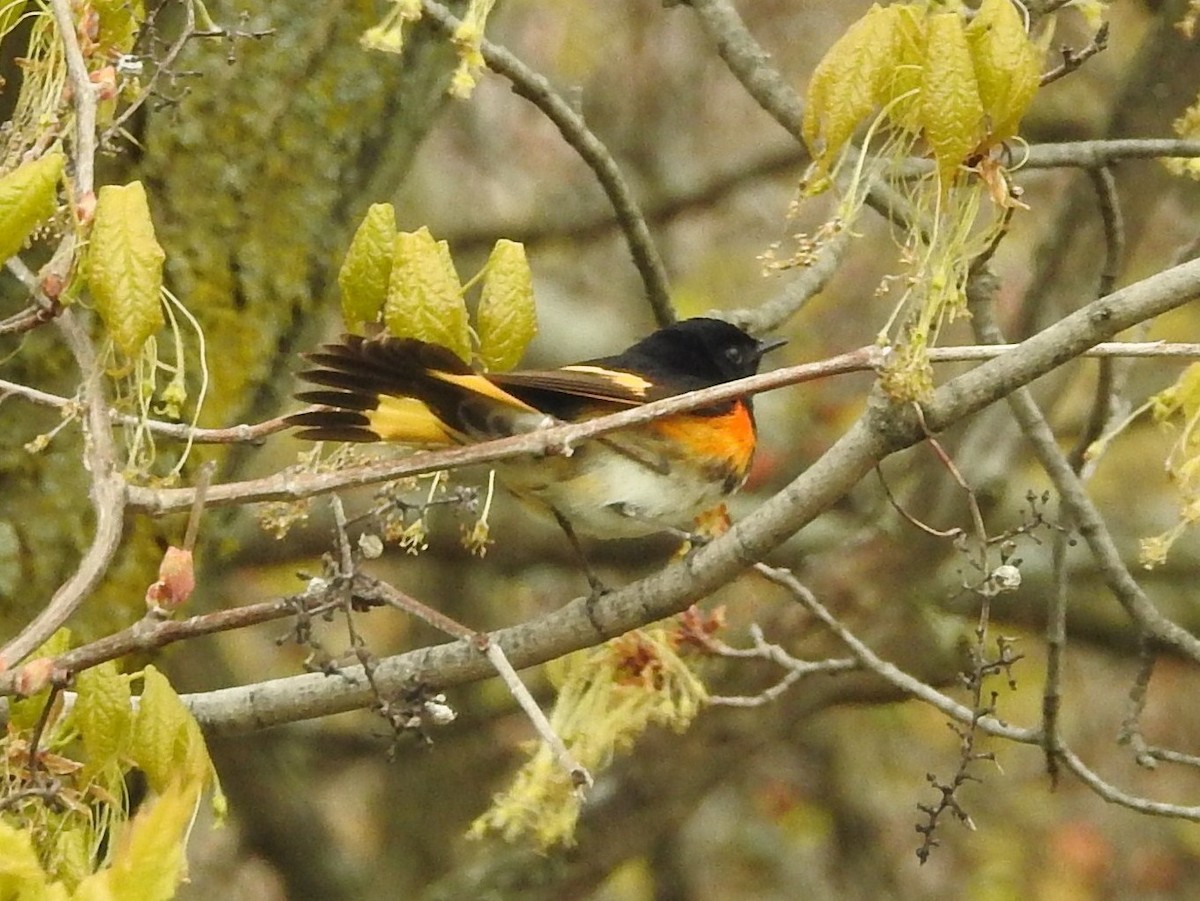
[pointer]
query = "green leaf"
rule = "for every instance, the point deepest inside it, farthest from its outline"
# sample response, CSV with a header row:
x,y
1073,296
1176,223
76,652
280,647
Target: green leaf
x,y
120,22
167,743
507,315
27,199
363,278
103,714
424,298
951,110
1008,66
125,266
849,82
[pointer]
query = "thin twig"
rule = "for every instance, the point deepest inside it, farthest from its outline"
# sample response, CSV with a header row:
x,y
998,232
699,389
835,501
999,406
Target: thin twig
x,y
1073,59
955,532
536,89
151,633
560,439
381,592
581,779
39,730
203,480
1131,730
162,65
761,649
236,434
556,440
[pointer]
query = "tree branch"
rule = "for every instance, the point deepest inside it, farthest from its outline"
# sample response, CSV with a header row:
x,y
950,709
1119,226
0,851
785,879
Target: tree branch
x,y
882,430
108,487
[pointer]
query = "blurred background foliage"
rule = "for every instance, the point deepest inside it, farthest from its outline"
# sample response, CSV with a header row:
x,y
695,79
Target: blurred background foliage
x,y
257,178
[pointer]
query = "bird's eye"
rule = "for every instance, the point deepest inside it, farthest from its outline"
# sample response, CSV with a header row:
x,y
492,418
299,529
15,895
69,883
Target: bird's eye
x,y
733,354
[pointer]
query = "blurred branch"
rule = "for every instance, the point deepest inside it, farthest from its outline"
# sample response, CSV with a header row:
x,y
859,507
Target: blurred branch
x,y
162,66
536,89
803,287
1103,151
703,194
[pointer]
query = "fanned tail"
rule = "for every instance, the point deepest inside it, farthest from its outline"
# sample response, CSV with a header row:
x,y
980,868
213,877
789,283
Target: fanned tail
x,y
402,390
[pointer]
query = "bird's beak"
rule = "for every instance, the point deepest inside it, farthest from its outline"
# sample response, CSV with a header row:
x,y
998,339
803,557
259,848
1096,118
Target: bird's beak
x,y
768,344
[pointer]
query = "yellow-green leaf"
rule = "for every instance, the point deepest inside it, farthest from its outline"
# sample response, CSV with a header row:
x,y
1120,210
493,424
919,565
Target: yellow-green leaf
x,y
103,714
148,864
120,22
951,111
27,199
904,94
167,744
21,875
10,13
363,278
125,266
849,82
507,315
1008,66
424,298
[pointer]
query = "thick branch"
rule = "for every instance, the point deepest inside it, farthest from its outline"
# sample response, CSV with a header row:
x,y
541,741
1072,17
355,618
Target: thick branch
x,y
883,430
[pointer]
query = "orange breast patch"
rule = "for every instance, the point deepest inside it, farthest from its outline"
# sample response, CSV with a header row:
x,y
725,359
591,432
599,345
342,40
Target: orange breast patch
x,y
726,439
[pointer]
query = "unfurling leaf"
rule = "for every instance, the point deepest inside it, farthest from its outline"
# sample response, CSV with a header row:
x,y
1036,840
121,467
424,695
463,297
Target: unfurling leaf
x,y
850,80
27,199
424,298
363,278
125,266
951,110
507,315
103,714
1008,66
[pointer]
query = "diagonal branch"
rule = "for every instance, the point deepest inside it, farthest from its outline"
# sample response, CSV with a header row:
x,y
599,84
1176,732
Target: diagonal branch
x,y
882,430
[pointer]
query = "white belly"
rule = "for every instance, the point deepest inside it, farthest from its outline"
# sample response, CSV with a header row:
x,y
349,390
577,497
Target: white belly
x,y
607,494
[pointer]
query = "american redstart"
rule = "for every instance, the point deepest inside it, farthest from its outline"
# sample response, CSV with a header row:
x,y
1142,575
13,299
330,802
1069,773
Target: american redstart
x,y
636,481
